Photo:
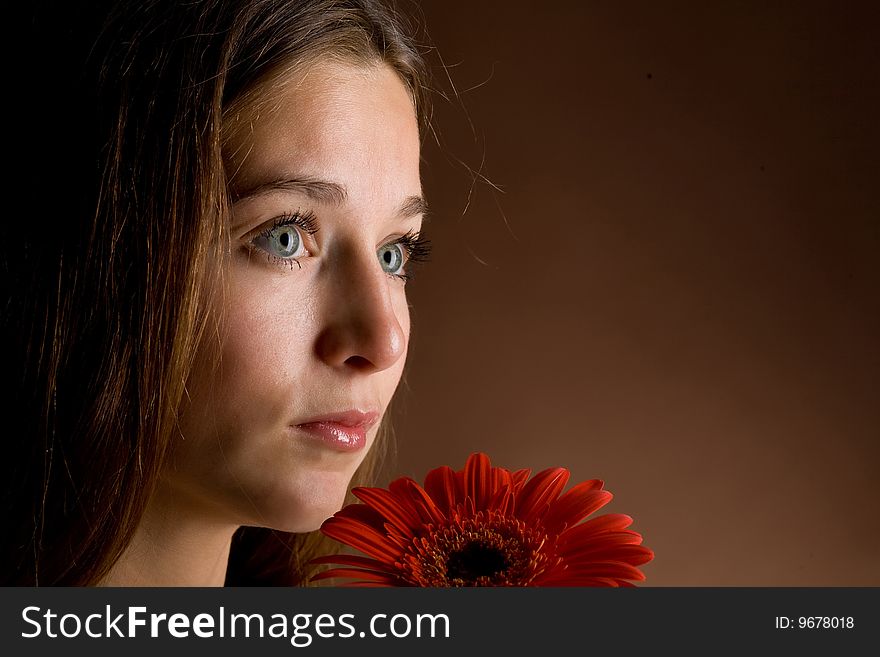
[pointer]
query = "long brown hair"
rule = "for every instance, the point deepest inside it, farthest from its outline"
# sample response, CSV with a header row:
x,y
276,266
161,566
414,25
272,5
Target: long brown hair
x,y
109,289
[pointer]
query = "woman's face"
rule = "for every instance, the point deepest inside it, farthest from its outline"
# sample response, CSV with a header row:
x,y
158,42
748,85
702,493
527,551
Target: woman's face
x,y
328,203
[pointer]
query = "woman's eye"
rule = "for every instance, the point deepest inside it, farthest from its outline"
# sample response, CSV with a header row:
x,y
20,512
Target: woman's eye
x,y
391,258
281,241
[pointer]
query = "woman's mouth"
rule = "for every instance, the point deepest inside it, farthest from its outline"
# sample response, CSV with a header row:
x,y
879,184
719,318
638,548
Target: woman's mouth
x,y
345,431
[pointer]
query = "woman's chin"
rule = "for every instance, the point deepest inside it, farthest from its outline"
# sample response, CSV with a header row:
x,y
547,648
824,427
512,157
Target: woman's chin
x,y
300,509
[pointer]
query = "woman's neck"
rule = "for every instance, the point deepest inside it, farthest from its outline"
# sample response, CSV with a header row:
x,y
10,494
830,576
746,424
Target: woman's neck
x,y
174,545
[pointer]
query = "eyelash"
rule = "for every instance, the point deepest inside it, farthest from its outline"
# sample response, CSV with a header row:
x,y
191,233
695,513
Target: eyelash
x,y
416,247
417,250
307,221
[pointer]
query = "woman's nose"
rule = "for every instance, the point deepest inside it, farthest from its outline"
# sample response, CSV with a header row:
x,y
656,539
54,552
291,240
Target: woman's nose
x,y
361,328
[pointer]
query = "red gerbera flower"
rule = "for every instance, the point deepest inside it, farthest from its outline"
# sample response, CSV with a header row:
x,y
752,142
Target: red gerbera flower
x,y
484,526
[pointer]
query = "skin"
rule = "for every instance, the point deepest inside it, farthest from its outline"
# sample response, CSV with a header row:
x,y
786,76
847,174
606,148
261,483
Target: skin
x,y
301,339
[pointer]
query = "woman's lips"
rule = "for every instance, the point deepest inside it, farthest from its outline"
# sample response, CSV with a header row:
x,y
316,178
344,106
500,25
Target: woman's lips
x,y
345,432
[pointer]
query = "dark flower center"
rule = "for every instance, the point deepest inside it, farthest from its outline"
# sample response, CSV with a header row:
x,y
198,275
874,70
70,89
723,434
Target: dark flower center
x,y
483,549
475,560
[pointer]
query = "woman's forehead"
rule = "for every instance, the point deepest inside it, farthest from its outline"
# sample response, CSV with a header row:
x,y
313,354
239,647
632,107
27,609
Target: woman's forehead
x,y
314,99
344,122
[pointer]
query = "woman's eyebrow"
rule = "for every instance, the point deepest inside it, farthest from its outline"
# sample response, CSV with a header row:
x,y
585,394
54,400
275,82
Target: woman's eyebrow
x,y
412,207
318,190
325,191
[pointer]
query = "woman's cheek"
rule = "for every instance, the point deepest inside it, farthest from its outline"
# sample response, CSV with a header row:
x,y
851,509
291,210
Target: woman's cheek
x,y
267,345
402,311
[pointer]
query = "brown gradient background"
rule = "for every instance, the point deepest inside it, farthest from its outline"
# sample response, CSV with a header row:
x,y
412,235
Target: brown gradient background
x,y
677,290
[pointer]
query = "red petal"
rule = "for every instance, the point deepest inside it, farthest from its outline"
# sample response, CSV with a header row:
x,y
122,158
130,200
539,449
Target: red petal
x,y
519,478
401,540
364,575
440,486
361,537
401,488
356,561
477,479
635,555
361,513
598,525
599,541
500,479
421,501
575,505
568,579
370,585
539,492
502,502
388,504
607,569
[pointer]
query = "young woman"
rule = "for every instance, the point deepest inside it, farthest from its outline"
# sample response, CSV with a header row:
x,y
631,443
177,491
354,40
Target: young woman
x,y
205,317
